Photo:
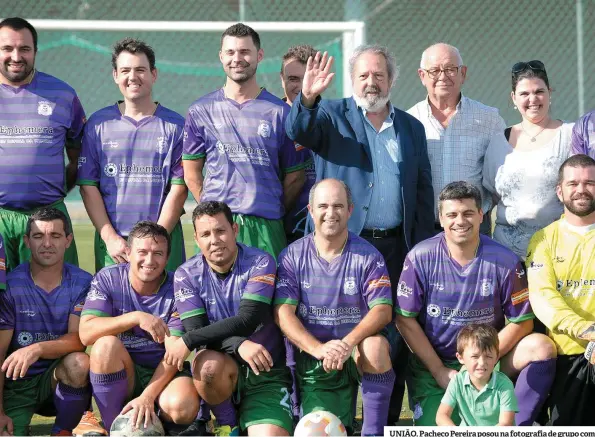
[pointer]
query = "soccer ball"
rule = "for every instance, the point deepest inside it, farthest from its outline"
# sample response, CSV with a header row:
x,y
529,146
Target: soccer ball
x,y
121,426
319,423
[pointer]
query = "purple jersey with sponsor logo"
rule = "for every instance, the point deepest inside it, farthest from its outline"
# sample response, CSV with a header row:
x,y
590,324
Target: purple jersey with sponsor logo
x,y
2,264
246,151
199,291
332,298
444,296
36,120
111,295
133,163
35,315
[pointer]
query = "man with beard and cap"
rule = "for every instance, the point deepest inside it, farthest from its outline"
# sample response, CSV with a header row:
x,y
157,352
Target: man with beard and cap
x,y
380,152
238,133
40,116
561,273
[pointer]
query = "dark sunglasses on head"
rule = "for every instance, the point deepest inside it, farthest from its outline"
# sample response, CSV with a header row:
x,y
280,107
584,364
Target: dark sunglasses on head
x,y
523,66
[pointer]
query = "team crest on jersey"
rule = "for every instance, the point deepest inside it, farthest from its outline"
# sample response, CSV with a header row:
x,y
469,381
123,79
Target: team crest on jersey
x,y
349,287
95,294
110,170
183,294
161,144
44,108
487,289
264,129
25,338
303,310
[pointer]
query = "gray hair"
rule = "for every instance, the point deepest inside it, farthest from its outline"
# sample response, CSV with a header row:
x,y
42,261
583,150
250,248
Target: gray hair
x,y
391,62
343,184
424,55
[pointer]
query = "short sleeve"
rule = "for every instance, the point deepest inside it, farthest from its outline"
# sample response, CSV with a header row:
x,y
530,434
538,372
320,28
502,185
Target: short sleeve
x,y
287,289
89,172
7,310
410,291
261,282
293,156
99,300
450,396
174,323
578,143
79,302
194,137
177,170
77,122
515,295
508,400
377,287
187,295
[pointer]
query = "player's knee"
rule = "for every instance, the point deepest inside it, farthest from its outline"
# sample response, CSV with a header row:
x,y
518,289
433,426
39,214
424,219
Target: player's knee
x,y
209,367
74,369
105,349
539,347
375,354
180,407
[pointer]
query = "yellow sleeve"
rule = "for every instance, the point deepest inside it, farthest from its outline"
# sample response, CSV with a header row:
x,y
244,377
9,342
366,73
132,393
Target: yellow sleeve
x,y
548,304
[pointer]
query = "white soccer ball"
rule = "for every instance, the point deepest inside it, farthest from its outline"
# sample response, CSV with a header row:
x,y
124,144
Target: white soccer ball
x,y
319,423
122,426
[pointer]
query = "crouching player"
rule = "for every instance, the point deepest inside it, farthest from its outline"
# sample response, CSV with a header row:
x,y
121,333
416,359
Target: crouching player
x,y
47,370
224,296
339,284
128,315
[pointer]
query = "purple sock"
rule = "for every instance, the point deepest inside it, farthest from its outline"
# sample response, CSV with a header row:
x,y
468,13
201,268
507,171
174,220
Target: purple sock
x,y
70,403
532,389
109,391
204,413
225,413
376,391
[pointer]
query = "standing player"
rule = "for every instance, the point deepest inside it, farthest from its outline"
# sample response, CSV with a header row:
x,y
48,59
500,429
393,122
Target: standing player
x,y
229,287
131,163
457,278
128,315
40,116
239,132
339,284
44,367
292,73
561,280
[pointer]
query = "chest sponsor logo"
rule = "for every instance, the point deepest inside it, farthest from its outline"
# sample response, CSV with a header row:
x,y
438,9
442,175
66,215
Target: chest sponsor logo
x,y
434,310
349,287
110,170
264,129
323,315
95,294
238,153
25,338
576,288
110,145
161,145
559,285
487,288
134,173
403,290
44,108
183,294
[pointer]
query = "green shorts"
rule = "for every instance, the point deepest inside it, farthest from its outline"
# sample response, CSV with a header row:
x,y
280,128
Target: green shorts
x,y
334,391
176,258
25,397
268,235
143,375
13,225
264,398
426,394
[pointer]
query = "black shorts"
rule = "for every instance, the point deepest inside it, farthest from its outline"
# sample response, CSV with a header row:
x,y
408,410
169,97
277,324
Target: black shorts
x,y
573,392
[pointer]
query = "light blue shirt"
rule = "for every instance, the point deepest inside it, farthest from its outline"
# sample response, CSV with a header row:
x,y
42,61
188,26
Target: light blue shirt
x,y
386,209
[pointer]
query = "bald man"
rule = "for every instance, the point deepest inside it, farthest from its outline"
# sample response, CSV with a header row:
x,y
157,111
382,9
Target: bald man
x,y
458,129
333,300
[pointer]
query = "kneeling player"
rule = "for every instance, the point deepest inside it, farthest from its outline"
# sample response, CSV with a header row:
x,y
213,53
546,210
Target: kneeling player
x,y
128,315
340,286
457,278
47,370
229,287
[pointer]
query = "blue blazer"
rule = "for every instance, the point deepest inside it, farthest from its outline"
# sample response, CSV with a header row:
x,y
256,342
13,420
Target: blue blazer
x,y
335,132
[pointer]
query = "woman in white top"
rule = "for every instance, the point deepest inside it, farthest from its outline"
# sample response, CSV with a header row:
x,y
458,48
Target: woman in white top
x,y
522,173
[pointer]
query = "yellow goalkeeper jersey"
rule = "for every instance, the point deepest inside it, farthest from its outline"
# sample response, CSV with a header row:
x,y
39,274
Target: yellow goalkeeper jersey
x,y
561,274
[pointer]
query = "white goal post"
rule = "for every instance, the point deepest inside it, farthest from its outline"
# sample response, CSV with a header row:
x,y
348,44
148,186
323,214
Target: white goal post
x,y
353,32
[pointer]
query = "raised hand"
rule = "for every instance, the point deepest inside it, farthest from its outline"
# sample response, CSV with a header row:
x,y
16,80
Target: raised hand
x,y
317,77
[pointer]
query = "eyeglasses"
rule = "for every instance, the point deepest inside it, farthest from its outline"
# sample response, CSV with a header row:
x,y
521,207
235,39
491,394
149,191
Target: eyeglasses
x,y
434,73
535,65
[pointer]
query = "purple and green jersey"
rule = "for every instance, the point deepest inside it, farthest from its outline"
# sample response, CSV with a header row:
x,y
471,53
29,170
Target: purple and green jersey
x,y
332,298
199,290
37,121
246,151
34,315
2,264
444,296
583,135
133,163
111,295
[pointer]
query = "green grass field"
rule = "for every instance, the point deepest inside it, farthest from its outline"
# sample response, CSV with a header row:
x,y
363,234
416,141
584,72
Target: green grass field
x,y
84,234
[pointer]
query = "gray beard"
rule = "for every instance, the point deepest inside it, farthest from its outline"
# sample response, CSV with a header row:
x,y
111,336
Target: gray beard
x,y
372,105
